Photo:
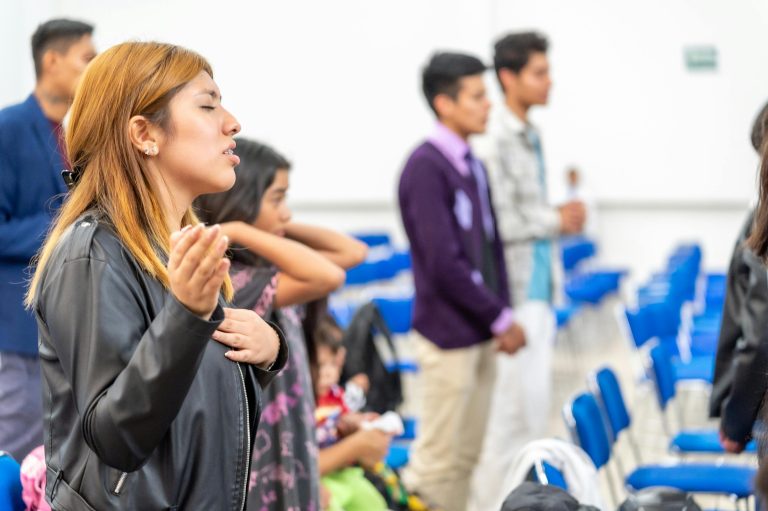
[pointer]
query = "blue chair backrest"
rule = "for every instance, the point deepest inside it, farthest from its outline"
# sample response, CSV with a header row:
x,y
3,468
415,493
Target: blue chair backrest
x,y
386,268
716,286
374,239
664,318
397,313
401,259
575,249
342,313
586,422
612,399
663,374
639,326
363,273
684,266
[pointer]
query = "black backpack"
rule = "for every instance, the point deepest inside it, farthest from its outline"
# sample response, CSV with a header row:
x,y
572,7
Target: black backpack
x,y
660,499
530,496
385,393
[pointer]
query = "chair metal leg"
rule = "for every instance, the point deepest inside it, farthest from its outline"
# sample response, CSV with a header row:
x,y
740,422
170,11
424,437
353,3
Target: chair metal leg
x,y
738,502
619,467
679,404
665,424
611,487
634,447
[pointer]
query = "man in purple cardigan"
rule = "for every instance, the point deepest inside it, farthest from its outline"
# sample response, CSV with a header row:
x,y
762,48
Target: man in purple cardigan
x,y
461,312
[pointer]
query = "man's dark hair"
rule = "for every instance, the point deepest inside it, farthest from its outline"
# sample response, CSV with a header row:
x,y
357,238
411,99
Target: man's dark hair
x,y
513,50
57,34
444,72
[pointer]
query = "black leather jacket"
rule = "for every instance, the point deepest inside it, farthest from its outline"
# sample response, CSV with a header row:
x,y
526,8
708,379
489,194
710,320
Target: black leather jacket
x,y
142,409
741,365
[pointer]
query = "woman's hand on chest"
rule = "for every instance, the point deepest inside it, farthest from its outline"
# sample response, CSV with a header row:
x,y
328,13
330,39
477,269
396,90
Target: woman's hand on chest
x,y
253,341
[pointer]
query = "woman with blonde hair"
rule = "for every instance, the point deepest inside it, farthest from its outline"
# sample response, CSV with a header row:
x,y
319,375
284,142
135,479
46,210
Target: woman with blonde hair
x,y
143,409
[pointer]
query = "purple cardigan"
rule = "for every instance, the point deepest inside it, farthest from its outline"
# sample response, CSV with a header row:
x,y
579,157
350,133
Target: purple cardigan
x,y
452,308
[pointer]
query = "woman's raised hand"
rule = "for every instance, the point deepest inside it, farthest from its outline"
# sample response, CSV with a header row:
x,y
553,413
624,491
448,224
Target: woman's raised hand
x,y
197,267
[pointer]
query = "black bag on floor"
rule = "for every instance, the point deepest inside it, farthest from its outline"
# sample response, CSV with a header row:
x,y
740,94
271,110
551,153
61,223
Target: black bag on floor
x,y
386,392
660,499
531,496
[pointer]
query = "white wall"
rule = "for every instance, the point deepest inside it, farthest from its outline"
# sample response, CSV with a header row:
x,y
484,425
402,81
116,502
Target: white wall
x,y
335,85
18,20
625,108
641,236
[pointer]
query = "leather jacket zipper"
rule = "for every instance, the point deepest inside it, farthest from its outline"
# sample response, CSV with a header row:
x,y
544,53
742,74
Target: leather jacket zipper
x,y
120,483
247,436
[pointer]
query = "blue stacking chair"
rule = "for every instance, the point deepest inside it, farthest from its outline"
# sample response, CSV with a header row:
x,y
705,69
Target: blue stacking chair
x,y
399,454
684,266
587,425
715,292
10,484
363,273
398,313
383,263
610,278
705,332
575,249
564,314
342,312
664,384
400,448
604,384
374,239
385,268
659,321
401,259
409,429
586,287
589,288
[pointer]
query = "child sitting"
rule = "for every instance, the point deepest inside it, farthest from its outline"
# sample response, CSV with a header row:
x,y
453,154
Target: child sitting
x,y
342,432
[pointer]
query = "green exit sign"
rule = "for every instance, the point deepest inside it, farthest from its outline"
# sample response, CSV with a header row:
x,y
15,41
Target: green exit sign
x,y
701,58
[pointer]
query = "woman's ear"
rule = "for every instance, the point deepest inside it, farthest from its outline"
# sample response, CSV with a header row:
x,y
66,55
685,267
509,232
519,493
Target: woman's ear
x,y
144,135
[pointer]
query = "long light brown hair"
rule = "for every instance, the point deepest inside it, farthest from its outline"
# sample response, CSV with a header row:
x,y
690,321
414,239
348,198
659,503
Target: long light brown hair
x,y
113,176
